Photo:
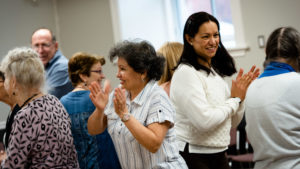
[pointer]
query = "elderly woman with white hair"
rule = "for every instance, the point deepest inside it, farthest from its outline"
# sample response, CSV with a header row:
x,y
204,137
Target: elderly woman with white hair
x,y
41,131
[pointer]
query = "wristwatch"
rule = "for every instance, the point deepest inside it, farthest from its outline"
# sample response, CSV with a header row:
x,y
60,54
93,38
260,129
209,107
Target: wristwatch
x,y
125,117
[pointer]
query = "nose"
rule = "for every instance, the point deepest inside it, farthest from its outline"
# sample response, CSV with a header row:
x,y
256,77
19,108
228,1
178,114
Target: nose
x,y
39,49
212,41
118,74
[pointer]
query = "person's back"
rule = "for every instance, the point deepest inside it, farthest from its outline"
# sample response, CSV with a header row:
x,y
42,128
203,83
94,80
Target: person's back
x,y
93,151
272,104
41,135
273,121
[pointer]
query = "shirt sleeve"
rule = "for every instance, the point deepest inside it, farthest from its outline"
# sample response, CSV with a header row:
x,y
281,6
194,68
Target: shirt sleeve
x,y
189,96
20,143
160,110
237,118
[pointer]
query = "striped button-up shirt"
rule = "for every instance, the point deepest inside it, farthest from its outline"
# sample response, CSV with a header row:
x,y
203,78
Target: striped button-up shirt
x,y
152,105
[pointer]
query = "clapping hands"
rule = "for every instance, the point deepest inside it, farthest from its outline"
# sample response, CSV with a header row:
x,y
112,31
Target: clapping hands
x,y
242,82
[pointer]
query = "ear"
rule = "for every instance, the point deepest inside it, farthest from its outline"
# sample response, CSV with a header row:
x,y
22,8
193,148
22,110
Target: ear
x,y
13,82
56,46
144,75
188,38
83,77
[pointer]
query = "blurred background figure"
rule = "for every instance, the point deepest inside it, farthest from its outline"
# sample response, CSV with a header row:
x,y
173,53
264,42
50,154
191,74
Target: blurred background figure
x,y
172,52
272,104
44,43
98,151
205,107
41,131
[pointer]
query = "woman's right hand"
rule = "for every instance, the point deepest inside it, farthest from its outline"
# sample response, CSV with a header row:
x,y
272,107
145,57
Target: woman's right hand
x,y
98,96
241,83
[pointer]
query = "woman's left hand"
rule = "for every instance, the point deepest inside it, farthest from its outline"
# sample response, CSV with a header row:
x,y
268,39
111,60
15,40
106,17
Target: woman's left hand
x,y
2,156
120,102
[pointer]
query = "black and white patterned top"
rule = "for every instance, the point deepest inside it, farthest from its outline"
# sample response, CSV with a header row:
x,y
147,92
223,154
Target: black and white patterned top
x,y
41,137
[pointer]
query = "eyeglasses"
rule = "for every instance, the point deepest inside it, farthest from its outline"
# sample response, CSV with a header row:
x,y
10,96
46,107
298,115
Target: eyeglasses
x,y
97,71
43,45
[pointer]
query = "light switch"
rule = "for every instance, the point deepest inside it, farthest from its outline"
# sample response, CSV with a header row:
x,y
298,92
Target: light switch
x,y
261,41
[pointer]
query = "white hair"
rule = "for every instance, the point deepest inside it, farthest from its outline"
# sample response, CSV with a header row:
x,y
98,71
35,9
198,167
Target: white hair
x,y
24,64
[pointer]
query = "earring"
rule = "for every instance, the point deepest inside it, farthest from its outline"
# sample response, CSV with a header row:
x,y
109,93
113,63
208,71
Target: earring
x,y
14,93
191,44
85,84
143,80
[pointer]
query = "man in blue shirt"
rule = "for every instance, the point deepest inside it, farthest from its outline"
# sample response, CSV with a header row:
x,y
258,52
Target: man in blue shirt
x,y
56,64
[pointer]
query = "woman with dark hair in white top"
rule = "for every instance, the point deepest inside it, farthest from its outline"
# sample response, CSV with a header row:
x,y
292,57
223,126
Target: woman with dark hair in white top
x,y
205,107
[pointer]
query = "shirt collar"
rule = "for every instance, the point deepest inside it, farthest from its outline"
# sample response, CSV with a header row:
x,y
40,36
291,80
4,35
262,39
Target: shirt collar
x,y
276,68
143,95
55,57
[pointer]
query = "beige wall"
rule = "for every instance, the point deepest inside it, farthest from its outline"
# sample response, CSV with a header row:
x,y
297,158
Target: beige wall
x,y
18,19
87,26
261,17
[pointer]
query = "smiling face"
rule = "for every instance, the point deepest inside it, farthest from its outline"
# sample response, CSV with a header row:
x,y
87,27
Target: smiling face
x,y
129,79
96,74
206,40
42,43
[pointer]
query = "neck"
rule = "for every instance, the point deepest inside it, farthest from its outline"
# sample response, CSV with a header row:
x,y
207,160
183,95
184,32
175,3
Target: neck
x,y
9,102
80,87
292,63
204,63
137,90
26,97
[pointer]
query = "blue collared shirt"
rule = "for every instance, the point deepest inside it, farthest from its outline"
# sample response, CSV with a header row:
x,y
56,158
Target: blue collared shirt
x,y
57,77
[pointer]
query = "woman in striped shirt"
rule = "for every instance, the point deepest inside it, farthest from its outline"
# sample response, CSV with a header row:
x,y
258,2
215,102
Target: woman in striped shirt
x,y
139,115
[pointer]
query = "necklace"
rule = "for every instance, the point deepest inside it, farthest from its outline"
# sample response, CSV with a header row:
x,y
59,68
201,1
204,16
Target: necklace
x,y
26,101
79,88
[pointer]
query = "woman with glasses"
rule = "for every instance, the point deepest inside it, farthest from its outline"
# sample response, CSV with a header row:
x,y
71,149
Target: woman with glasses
x,y
41,130
93,151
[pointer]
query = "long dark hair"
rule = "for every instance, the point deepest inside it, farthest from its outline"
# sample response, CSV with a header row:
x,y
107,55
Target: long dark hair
x,y
284,42
222,62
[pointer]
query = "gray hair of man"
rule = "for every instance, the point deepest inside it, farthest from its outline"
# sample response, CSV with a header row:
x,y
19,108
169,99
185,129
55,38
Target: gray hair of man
x,y
25,66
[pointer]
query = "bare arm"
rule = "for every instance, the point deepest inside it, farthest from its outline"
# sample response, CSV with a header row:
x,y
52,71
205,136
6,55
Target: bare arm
x,y
151,136
97,122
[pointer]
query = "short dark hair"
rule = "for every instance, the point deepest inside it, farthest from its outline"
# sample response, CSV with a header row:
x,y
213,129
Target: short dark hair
x,y
141,56
51,32
222,62
81,63
284,42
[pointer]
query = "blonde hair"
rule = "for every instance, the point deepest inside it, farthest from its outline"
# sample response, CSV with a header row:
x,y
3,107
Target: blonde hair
x,y
172,52
24,64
